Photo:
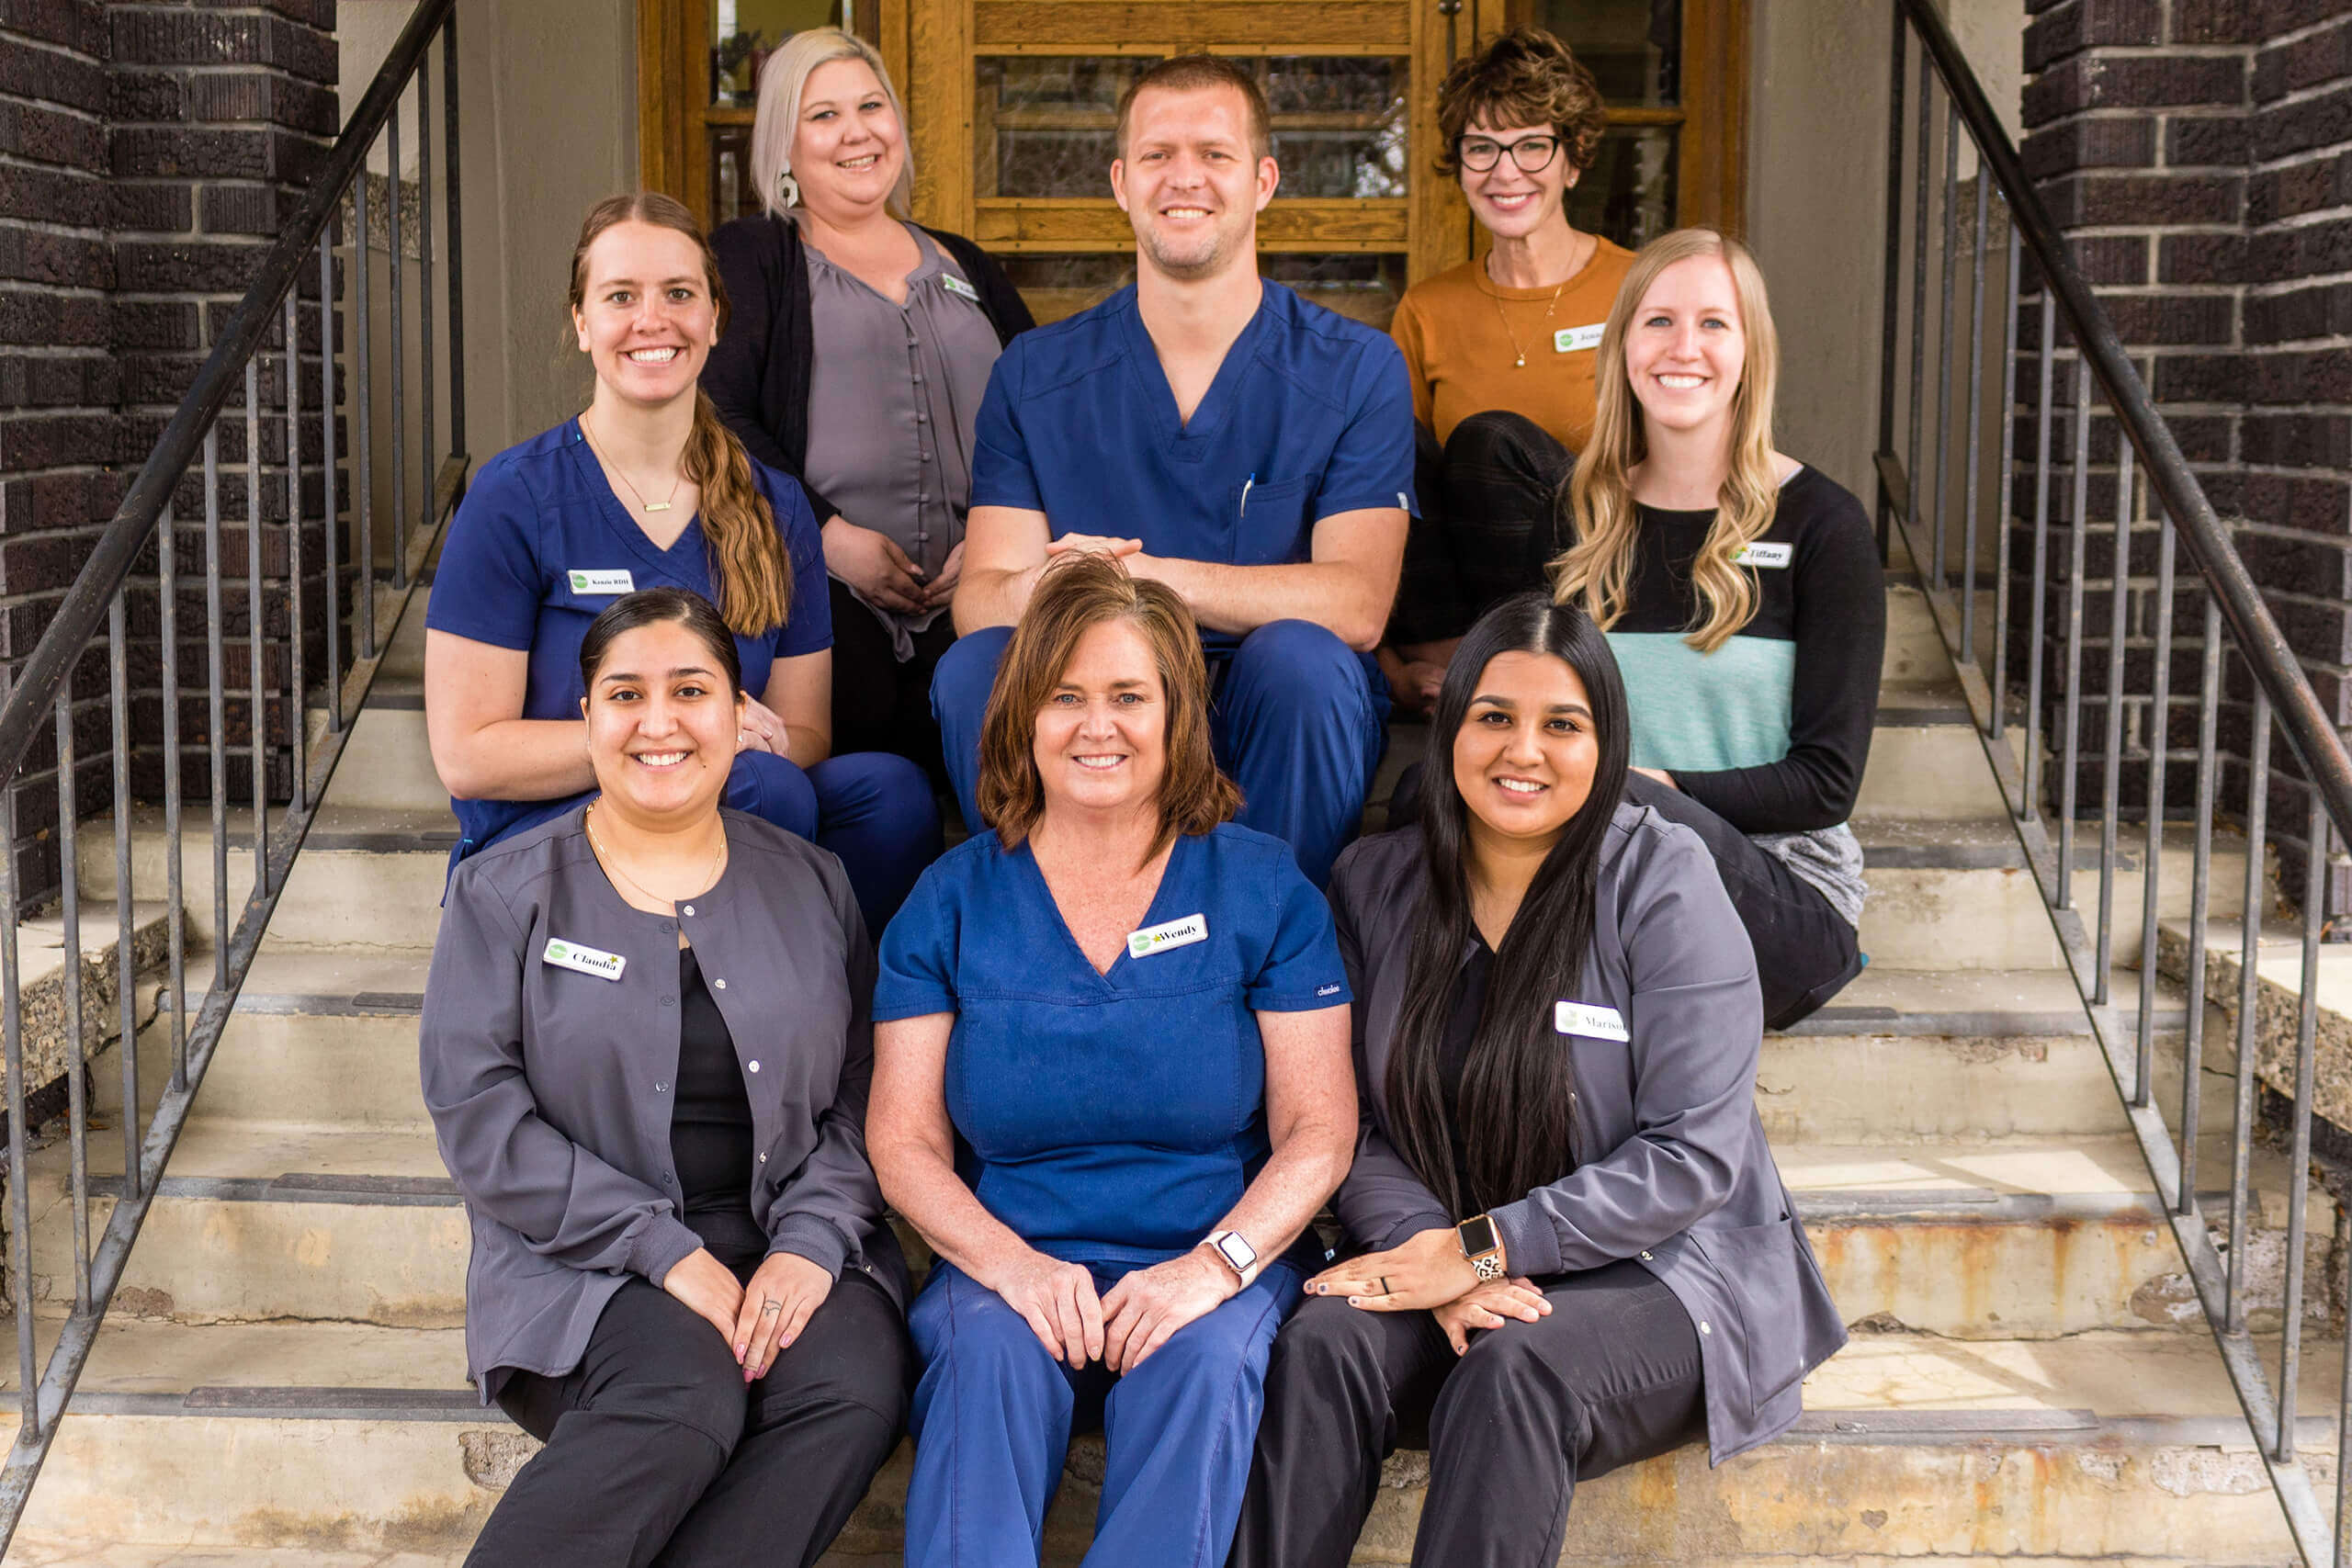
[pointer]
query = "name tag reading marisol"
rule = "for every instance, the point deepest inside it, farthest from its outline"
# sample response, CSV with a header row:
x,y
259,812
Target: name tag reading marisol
x,y
1764,555
1175,933
1574,340
1583,1018
602,583
587,960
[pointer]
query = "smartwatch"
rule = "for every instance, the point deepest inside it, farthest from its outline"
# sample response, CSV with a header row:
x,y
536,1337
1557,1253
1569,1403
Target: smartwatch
x,y
1235,1249
1482,1245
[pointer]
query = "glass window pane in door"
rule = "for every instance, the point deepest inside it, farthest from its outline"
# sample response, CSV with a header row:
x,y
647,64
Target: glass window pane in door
x,y
1339,124
1629,193
731,195
1046,126
1633,48
743,33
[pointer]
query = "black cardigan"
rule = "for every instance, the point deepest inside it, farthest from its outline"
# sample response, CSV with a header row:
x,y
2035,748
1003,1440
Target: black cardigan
x,y
758,372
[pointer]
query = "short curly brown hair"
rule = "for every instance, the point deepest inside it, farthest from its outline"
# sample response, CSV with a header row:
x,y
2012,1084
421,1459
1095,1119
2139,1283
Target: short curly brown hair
x,y
1525,77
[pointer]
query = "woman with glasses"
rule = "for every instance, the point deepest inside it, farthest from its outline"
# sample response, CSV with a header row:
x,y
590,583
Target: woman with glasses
x,y
1501,348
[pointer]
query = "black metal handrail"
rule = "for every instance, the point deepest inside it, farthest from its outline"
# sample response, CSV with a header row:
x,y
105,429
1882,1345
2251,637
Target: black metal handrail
x,y
94,616
1914,498
133,527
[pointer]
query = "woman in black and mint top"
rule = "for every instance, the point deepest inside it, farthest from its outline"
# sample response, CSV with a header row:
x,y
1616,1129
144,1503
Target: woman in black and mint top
x,y
1742,595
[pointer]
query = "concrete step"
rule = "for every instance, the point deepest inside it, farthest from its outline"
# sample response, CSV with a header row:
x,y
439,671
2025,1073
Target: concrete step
x,y
2006,1238
2107,1445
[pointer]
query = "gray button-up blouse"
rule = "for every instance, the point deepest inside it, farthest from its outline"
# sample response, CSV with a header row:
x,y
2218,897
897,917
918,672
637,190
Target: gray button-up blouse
x,y
1676,1172
551,1085
893,393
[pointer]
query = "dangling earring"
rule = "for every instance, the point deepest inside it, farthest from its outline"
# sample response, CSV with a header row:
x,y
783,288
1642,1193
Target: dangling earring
x,y
788,189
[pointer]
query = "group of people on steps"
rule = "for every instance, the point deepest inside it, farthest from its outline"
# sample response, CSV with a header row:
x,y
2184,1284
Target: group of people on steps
x,y
842,530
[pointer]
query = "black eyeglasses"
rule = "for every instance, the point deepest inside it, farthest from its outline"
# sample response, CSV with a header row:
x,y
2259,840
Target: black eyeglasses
x,y
1479,154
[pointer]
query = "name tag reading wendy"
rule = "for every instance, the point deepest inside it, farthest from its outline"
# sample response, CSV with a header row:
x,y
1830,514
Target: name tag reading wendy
x,y
1175,933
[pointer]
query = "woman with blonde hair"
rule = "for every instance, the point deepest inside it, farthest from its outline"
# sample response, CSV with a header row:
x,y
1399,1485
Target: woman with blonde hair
x,y
863,344
1740,591
646,489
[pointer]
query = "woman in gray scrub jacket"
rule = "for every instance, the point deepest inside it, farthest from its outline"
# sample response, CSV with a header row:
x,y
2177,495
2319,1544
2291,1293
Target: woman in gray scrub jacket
x,y
646,1051
1576,1249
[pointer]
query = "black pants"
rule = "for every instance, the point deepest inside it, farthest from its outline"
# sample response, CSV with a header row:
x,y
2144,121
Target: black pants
x,y
1805,953
880,704
658,1453
1487,500
1613,1376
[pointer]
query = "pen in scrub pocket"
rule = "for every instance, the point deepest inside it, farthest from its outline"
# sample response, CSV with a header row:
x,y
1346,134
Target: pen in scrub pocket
x,y
1245,495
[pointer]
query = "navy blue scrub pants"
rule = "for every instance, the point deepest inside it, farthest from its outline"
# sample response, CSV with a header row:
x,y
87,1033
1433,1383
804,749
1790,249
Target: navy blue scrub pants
x,y
1296,717
993,1416
873,810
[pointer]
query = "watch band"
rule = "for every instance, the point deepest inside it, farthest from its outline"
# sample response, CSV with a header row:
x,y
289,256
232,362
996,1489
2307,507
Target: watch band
x,y
1225,1243
1488,1261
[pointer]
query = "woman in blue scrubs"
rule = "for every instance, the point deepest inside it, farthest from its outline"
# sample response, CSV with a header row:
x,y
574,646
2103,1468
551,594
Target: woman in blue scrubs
x,y
1112,1087
647,489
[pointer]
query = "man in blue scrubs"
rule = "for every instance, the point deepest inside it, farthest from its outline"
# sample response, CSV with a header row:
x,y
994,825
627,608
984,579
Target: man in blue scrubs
x,y
1251,450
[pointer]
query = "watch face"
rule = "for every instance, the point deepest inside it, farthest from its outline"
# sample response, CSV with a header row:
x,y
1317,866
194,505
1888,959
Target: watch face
x,y
1238,1252
1478,1236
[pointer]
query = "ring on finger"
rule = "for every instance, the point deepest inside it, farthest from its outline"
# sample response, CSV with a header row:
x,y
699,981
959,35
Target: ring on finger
x,y
1384,1284
767,1307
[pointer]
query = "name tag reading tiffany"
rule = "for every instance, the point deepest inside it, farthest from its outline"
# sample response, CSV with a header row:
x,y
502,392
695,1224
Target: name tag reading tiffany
x,y
1596,1023
1574,340
955,285
602,583
1764,555
587,960
1175,933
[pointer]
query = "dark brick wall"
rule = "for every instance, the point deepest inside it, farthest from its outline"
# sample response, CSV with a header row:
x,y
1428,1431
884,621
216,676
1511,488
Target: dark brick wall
x,y
149,155
2198,153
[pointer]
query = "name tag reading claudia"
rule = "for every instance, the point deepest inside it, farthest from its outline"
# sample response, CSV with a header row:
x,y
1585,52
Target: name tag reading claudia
x,y
1596,1023
1175,933
602,583
587,960
1574,340
1764,555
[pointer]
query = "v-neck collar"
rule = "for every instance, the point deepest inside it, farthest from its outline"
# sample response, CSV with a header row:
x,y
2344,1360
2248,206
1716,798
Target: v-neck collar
x,y
1195,438
616,517
1154,913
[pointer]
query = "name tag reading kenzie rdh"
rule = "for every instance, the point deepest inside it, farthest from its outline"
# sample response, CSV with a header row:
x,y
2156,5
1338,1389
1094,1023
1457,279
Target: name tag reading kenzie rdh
x,y
1175,933
587,960
601,581
1595,1022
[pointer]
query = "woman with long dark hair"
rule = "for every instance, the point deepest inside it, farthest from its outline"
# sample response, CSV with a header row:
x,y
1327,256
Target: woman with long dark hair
x,y
1574,1249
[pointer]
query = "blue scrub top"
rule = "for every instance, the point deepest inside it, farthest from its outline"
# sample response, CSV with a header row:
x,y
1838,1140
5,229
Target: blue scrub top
x,y
1109,1118
1310,414
542,510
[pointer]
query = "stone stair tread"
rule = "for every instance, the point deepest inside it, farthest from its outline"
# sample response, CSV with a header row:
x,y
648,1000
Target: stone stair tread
x,y
1974,1001
332,827
284,978
366,1163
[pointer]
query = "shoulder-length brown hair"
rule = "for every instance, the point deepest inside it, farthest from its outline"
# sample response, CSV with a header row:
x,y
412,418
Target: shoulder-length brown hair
x,y
749,566
1076,594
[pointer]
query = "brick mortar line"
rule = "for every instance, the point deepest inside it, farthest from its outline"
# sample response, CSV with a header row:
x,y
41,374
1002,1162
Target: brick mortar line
x,y
2294,97
16,40
49,105
2308,29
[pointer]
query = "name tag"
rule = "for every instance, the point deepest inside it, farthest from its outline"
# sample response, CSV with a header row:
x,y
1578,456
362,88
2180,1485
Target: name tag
x,y
1583,1018
1574,340
955,285
587,960
1764,555
602,583
1175,933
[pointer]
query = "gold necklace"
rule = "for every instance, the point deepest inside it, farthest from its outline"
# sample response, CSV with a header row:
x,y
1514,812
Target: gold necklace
x,y
611,863
1519,359
614,469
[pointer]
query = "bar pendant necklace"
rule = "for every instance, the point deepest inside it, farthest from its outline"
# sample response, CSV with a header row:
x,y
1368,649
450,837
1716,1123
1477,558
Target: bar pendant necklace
x,y
614,469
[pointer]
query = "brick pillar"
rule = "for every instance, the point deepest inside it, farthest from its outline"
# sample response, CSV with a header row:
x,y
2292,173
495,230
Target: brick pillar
x,y
149,155
2198,155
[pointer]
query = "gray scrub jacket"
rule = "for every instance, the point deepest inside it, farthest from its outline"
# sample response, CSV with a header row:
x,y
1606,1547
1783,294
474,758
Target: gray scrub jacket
x,y
550,1087
1676,1172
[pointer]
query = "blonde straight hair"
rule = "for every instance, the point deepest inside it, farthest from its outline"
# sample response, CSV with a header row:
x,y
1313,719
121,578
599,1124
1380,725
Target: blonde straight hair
x,y
783,80
1596,571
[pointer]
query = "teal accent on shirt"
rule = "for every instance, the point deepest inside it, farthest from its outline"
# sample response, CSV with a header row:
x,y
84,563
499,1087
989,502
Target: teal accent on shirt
x,y
1705,712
